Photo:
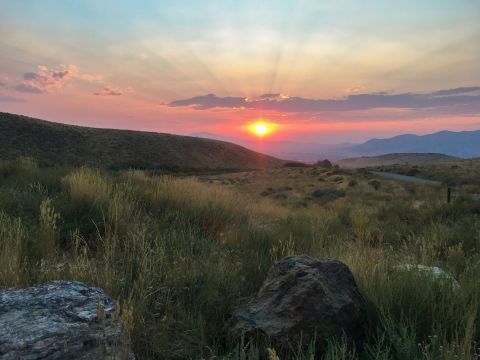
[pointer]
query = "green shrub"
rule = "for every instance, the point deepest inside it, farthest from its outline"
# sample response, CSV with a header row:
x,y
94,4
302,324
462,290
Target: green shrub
x,y
375,184
328,194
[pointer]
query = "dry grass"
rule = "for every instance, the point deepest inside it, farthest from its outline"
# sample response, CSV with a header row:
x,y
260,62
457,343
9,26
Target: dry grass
x,y
12,250
89,185
180,253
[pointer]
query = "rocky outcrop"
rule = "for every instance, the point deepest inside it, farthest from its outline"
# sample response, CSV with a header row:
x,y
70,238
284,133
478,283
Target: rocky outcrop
x,y
303,300
60,320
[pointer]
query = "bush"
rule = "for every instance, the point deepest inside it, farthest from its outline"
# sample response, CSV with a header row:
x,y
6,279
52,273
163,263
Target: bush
x,y
295,164
328,194
375,184
413,172
324,164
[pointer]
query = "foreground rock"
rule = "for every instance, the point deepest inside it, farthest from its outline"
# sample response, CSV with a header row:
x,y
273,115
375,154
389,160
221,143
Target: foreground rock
x,y
303,300
59,320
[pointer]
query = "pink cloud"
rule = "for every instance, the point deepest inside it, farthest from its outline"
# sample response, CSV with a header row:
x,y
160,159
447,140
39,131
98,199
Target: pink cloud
x,y
46,80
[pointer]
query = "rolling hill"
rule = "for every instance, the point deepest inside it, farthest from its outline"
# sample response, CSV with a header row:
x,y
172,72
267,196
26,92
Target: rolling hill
x,y
391,159
53,143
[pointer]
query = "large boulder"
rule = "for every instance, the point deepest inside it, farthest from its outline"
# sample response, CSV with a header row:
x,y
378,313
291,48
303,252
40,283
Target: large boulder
x,y
60,320
303,300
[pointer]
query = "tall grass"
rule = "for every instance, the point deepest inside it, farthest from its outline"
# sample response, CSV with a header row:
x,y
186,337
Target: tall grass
x,y
182,254
47,235
12,251
89,185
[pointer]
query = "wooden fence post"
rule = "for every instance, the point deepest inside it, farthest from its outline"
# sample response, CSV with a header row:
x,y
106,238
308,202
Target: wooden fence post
x,y
449,195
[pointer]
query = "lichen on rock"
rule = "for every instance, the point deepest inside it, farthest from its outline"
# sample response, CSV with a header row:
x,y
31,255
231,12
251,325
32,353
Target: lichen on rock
x,y
60,320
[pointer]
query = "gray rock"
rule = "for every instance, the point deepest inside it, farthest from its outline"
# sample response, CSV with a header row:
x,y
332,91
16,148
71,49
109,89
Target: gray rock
x,y
303,300
59,320
434,273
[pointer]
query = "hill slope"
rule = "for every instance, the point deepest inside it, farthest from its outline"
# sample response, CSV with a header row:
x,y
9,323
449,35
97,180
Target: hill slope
x,y
390,159
53,143
465,144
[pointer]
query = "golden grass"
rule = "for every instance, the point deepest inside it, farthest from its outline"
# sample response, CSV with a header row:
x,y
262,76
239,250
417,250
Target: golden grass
x,y
12,251
180,253
86,184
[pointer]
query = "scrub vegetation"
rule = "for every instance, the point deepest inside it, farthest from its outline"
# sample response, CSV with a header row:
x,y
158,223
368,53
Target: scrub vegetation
x,y
181,252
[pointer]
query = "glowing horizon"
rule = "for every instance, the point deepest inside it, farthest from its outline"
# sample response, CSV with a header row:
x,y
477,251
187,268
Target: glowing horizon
x,y
325,71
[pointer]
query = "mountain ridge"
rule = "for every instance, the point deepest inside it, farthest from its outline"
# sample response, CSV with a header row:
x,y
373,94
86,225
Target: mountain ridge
x,y
464,144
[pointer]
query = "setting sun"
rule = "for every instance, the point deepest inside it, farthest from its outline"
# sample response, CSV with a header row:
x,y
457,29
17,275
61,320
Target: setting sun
x,y
261,128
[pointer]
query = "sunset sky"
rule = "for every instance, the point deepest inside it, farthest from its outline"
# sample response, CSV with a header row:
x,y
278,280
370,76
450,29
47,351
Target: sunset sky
x,y
326,71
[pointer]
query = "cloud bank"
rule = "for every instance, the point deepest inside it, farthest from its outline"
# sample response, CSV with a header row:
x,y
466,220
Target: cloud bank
x,y
464,97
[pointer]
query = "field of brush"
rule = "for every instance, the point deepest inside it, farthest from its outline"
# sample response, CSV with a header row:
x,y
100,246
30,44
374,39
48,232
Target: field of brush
x,y
180,253
464,174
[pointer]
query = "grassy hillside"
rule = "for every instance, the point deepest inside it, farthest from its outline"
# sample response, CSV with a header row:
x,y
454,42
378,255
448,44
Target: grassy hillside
x,y
53,143
390,159
181,252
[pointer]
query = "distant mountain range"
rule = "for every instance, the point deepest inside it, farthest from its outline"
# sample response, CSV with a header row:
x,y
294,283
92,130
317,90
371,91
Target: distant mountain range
x,y
53,143
464,144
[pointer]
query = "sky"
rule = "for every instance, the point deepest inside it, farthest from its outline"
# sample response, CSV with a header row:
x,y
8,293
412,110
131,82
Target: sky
x,y
321,71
